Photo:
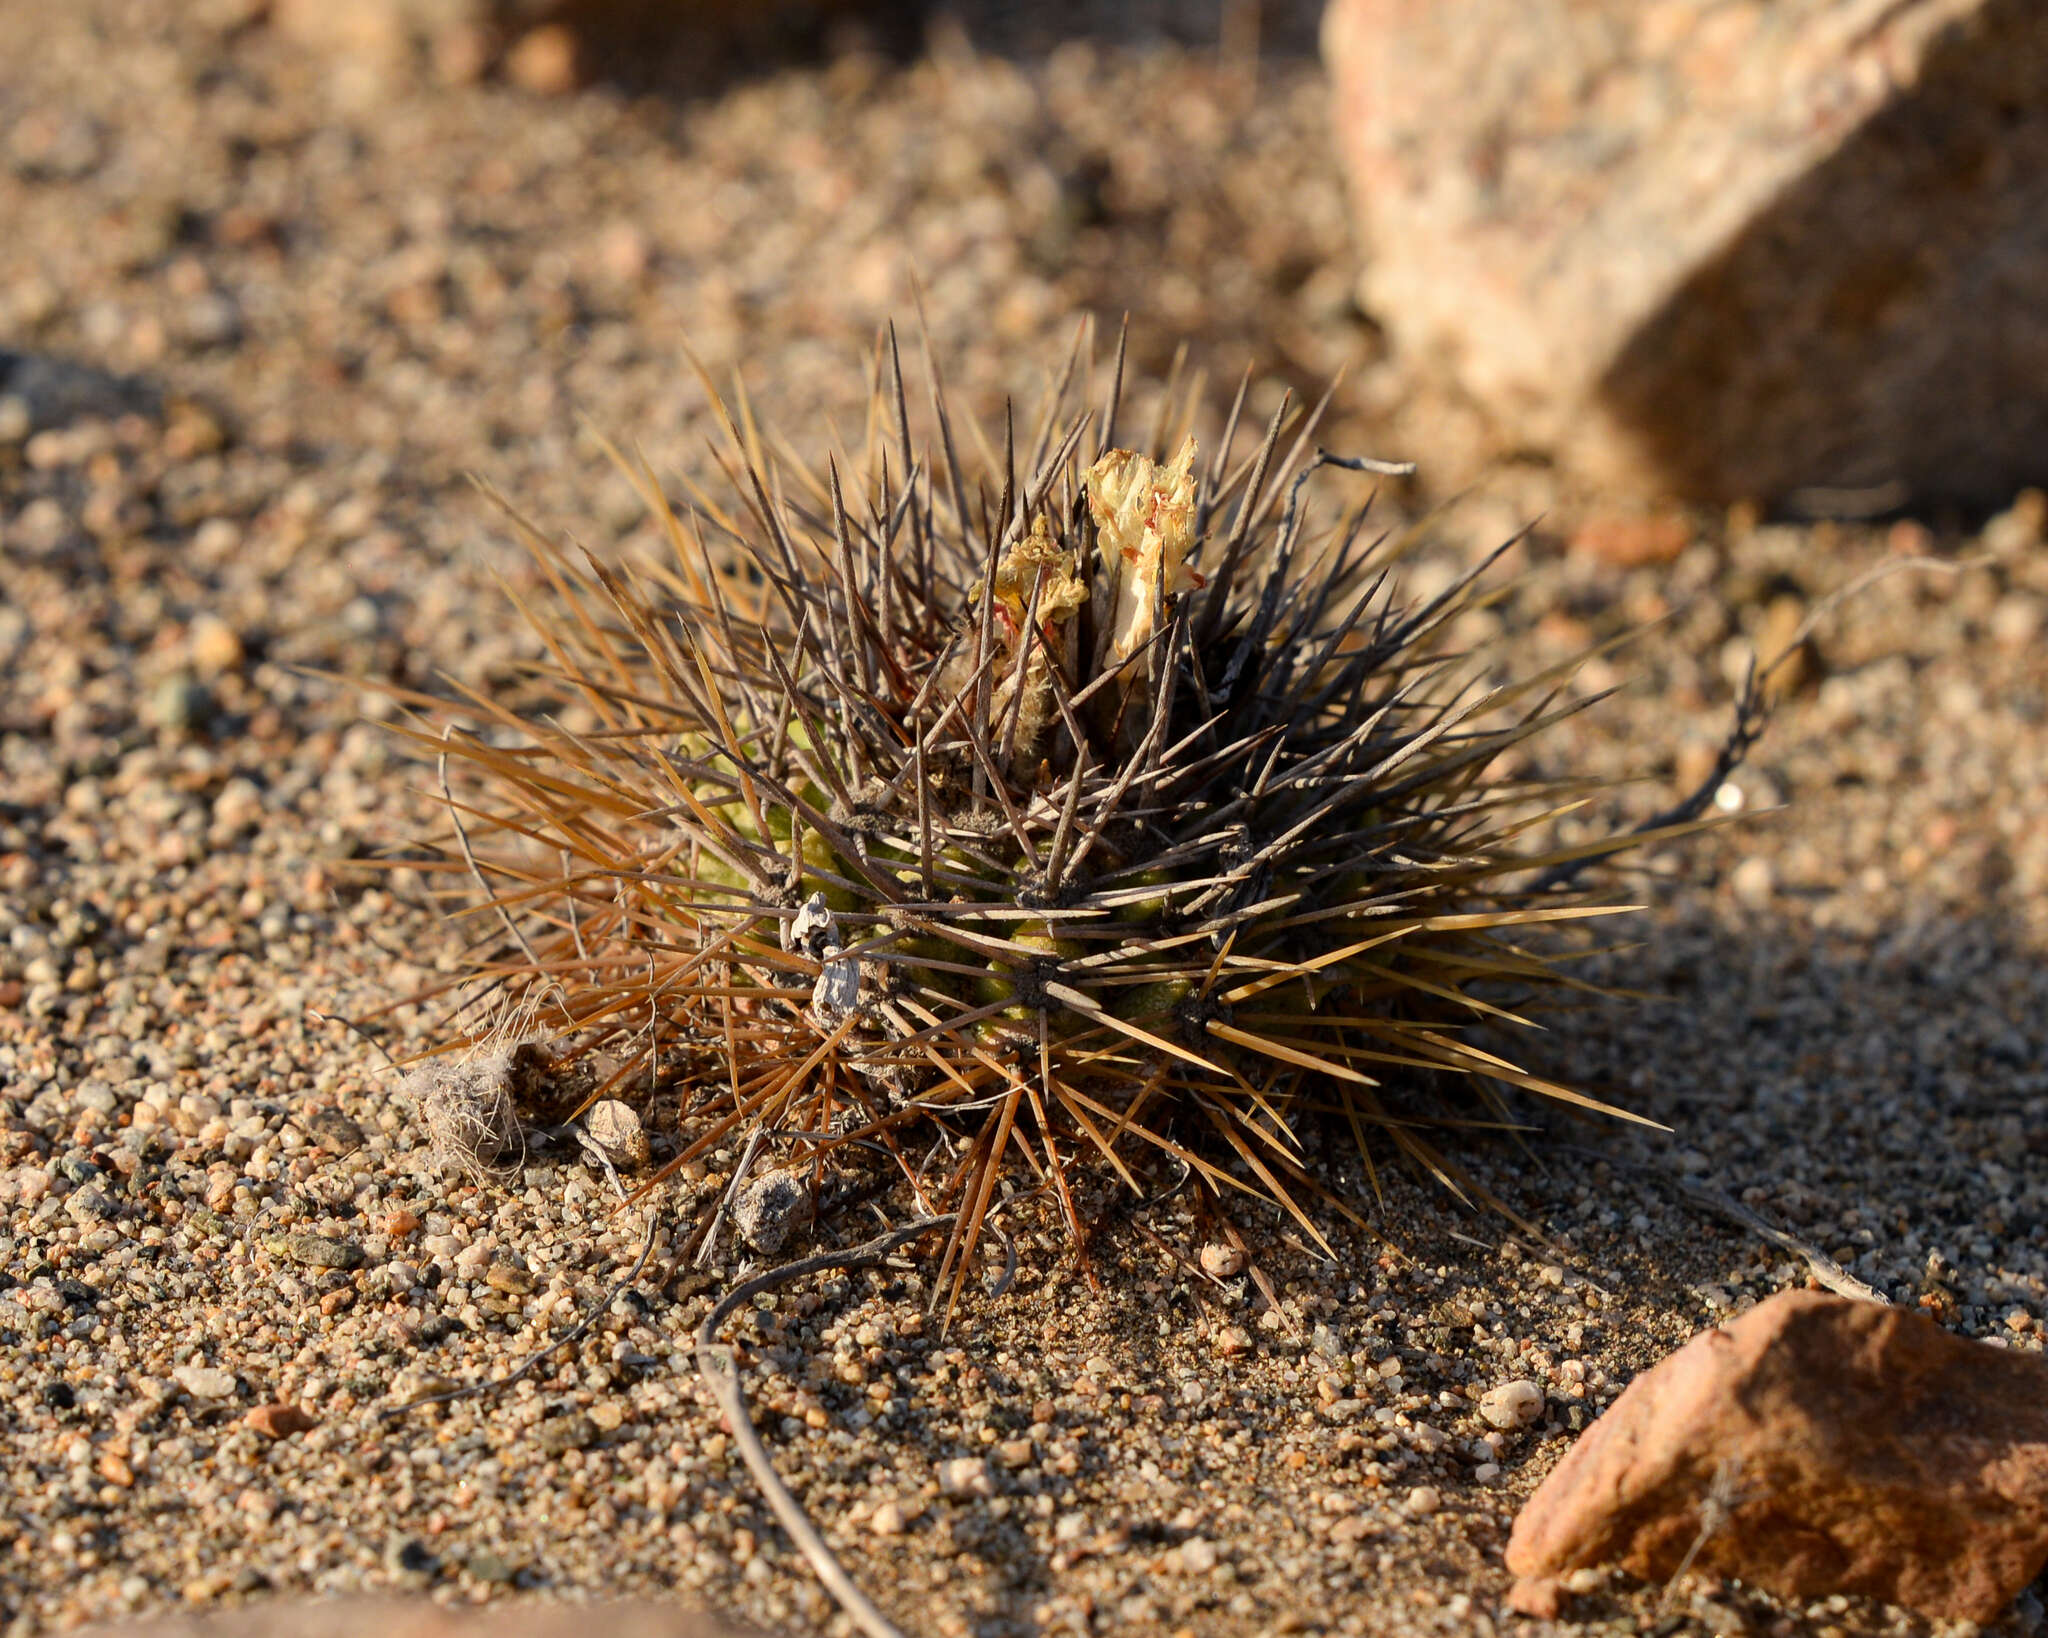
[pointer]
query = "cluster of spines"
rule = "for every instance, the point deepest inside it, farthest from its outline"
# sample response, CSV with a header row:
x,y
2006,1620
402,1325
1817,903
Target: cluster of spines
x,y
1109,810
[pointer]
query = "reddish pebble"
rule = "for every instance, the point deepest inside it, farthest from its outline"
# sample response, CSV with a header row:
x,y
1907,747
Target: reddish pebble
x,y
1632,541
280,1421
1540,1597
546,61
400,1223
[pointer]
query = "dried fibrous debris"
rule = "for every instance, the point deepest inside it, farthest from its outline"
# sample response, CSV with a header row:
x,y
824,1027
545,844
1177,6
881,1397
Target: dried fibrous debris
x,y
1086,806
470,1105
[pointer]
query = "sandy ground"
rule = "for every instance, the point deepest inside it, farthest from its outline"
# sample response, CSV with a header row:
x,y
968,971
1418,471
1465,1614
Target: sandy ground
x,y
329,301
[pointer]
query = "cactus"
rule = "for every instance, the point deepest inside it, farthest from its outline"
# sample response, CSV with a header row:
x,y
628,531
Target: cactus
x,y
1100,808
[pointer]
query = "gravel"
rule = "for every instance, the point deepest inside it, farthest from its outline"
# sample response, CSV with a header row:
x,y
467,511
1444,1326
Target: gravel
x,y
213,1197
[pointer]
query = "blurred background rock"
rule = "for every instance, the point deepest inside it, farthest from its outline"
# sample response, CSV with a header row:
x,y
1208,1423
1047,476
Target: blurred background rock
x,y
1794,251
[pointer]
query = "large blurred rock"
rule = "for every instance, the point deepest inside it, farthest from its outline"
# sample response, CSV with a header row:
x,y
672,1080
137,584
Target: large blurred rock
x,y
1812,1446
1727,248
421,1618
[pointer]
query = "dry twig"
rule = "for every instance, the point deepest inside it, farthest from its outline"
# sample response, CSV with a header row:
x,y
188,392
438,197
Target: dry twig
x,y
715,1362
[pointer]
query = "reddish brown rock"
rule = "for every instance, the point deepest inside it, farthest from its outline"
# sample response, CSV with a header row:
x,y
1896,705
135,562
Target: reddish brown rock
x,y
1540,1597
281,1421
420,1618
1723,248
1814,1446
547,61
1633,540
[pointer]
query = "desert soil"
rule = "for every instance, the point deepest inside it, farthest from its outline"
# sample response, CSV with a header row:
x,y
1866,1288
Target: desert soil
x,y
336,299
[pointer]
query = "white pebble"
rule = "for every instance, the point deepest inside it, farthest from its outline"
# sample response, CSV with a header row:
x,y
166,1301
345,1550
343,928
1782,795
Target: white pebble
x,y
1220,1261
1423,1500
1512,1405
1753,882
966,1476
206,1381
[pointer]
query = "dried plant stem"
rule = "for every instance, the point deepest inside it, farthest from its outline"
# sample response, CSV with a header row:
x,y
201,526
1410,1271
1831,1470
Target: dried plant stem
x,y
715,1362
1825,1269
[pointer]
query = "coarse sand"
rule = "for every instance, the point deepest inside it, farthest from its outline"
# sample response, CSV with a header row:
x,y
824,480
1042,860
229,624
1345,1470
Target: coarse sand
x,y
298,319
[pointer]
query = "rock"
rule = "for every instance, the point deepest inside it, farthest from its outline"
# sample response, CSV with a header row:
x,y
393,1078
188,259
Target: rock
x,y
966,1476
1632,540
317,1250
332,1130
768,1207
546,61
1779,642
180,703
616,1129
1424,1500
90,1205
1753,882
216,646
576,1432
1221,1261
422,1618
491,1568
1725,250
1541,1597
1195,1556
1833,1446
1512,1405
887,1519
409,1561
206,1381
507,1273
280,1421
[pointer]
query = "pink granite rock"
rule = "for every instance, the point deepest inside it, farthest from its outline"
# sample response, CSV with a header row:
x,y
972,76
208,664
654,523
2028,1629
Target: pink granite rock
x,y
1814,1446
1723,248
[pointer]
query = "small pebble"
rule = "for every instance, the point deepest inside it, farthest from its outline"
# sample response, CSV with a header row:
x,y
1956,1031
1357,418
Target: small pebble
x,y
280,1421
576,1432
1512,1405
768,1208
506,1273
1753,882
333,1130
318,1250
966,1476
206,1381
488,1567
616,1129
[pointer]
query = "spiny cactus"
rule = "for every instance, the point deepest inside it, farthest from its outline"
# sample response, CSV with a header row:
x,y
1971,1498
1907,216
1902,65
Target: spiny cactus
x,y
1098,808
